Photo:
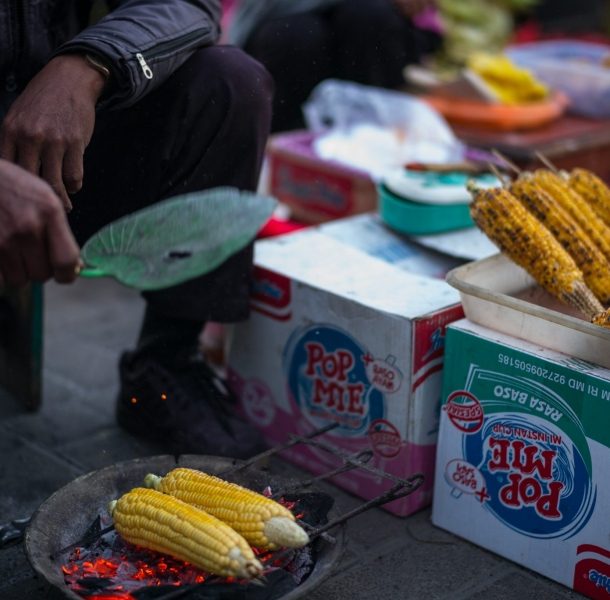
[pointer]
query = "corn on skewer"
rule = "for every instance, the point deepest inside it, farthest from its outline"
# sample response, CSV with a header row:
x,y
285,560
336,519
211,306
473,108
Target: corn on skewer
x,y
261,521
577,207
529,244
587,256
593,190
163,523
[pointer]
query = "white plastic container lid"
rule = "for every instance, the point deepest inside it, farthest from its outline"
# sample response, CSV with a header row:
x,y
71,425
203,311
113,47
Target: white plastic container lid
x,y
430,187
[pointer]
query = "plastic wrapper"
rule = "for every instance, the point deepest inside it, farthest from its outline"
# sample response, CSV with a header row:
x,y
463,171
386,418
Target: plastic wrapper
x,y
377,130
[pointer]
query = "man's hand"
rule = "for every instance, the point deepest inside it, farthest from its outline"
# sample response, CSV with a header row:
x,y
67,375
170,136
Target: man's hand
x,y
411,8
35,239
50,124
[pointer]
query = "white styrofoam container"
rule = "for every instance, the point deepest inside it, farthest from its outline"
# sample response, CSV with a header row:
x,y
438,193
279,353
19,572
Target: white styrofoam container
x,y
502,296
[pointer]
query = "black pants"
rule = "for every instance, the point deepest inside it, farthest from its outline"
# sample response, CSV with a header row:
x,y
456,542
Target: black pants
x,y
206,126
366,41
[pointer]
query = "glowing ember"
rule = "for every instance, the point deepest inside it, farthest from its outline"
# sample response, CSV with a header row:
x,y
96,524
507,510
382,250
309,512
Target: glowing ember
x,y
119,568
111,569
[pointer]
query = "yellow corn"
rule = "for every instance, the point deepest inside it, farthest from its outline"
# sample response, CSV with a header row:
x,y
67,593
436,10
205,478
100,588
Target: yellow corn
x,y
528,243
163,523
576,206
593,190
262,521
602,319
587,256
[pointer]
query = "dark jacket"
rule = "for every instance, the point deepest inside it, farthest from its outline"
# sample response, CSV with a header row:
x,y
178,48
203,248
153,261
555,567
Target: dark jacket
x,y
141,41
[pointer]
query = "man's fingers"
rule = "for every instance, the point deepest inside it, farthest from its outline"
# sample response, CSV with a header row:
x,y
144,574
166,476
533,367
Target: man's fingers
x,y
64,253
72,173
36,262
28,156
51,172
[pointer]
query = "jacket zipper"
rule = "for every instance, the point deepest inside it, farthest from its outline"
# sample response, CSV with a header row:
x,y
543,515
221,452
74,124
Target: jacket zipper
x,y
144,66
165,48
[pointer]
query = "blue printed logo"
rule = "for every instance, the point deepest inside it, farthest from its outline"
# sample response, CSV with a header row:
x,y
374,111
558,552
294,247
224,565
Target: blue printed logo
x,y
327,377
533,455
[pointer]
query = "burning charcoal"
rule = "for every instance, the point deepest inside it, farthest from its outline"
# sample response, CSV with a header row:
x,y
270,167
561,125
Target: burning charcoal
x,y
162,592
313,507
94,529
94,583
278,584
301,565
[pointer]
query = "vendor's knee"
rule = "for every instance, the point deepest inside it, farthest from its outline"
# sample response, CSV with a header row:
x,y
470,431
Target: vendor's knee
x,y
228,78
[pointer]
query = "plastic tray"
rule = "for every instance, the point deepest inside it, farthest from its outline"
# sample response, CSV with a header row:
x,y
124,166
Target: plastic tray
x,y
575,68
415,218
500,117
500,295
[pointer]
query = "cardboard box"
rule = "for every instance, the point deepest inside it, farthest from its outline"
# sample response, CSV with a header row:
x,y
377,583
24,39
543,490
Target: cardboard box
x,y
316,190
368,233
523,456
338,336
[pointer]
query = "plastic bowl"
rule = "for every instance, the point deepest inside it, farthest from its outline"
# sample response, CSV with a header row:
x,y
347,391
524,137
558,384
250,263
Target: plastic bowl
x,y
416,218
575,68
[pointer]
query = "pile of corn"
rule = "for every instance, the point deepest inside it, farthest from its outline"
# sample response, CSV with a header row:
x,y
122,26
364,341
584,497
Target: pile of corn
x,y
206,521
556,225
508,83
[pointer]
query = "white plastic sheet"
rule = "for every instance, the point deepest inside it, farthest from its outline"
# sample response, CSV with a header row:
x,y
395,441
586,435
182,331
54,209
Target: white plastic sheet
x,y
377,130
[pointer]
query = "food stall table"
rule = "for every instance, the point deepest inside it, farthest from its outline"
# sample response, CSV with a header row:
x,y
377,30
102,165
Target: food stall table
x,y
568,142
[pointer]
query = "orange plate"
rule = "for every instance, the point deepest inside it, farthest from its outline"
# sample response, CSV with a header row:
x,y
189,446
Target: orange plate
x,y
502,117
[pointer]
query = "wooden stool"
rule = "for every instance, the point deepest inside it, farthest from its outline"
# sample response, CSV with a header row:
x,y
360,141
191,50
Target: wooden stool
x,y
21,321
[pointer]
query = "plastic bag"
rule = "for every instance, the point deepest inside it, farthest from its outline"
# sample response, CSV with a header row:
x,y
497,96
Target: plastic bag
x,y
377,130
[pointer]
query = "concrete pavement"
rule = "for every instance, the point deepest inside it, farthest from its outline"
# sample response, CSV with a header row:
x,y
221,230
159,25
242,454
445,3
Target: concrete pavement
x,y
86,327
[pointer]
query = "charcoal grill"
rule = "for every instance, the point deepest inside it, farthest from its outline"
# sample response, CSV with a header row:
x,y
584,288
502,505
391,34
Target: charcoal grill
x,y
61,521
67,514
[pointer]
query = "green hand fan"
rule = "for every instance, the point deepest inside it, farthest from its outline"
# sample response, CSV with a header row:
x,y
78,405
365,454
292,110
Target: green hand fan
x,y
178,239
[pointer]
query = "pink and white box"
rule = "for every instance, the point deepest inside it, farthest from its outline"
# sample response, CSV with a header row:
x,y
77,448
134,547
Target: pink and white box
x,y
338,336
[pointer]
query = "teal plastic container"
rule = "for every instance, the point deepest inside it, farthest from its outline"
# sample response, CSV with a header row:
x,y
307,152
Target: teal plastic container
x,y
417,218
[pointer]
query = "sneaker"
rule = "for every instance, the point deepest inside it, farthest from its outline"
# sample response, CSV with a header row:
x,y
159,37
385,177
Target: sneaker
x,y
185,406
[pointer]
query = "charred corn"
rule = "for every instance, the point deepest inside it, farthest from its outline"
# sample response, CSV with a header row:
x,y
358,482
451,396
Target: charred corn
x,y
593,190
529,244
163,523
587,256
576,206
602,319
261,521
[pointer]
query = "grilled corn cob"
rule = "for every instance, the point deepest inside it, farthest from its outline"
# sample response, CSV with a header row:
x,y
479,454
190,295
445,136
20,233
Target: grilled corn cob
x,y
529,244
576,206
593,190
587,256
163,523
262,521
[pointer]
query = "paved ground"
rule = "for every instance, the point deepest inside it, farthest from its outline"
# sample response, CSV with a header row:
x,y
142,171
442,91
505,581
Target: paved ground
x,y
86,326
